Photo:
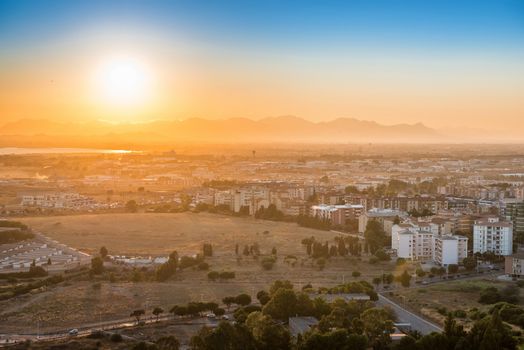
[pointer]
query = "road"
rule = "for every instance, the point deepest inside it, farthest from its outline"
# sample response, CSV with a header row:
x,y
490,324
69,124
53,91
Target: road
x,y
105,326
405,316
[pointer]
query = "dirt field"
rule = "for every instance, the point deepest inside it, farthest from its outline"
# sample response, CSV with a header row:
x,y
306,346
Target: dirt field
x,y
72,305
157,234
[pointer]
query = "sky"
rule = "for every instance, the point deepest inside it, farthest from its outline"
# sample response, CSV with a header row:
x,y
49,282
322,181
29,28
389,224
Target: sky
x,y
447,64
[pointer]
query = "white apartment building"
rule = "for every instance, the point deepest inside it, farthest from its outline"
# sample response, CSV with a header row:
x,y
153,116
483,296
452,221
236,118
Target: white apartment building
x,y
417,241
492,235
449,249
56,200
415,245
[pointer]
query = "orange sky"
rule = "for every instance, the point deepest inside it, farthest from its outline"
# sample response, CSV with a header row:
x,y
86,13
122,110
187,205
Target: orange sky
x,y
217,77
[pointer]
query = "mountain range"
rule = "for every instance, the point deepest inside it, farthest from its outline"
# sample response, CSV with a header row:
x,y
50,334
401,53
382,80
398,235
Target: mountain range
x,y
283,129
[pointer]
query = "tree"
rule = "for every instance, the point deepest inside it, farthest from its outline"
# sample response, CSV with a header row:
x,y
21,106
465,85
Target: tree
x,y
377,281
219,311
491,333
470,263
374,235
356,274
207,249
103,252
278,284
404,278
131,206
377,326
49,261
97,265
453,268
228,301
490,295
267,333
274,251
243,299
282,304
137,314
168,343
333,340
263,297
157,311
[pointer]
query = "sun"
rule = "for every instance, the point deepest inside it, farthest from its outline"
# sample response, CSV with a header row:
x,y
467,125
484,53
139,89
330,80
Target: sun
x,y
123,81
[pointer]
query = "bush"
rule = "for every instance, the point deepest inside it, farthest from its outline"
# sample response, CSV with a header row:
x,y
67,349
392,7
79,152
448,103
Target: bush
x,y
267,263
213,275
459,313
203,266
373,260
355,274
226,275
442,310
453,268
116,338
382,255
401,261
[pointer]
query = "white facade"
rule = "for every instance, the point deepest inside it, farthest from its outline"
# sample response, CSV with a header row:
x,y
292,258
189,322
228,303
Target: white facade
x,y
419,243
492,235
56,200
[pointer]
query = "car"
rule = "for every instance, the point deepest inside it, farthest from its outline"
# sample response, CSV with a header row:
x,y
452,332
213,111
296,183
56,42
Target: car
x,y
425,282
225,317
73,331
211,315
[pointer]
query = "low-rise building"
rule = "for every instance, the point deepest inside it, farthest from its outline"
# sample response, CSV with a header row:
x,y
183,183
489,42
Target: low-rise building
x,y
514,265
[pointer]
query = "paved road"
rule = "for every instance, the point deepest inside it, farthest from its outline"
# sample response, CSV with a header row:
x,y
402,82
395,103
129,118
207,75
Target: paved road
x,y
405,316
105,326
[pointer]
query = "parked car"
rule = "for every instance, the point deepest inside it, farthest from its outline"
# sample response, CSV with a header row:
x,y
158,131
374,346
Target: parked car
x,y
73,331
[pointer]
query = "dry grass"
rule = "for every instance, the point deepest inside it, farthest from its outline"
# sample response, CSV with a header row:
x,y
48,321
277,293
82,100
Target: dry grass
x,y
143,233
79,303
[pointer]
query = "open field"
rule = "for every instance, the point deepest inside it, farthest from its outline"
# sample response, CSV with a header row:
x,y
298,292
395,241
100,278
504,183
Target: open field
x,y
73,304
157,234
453,295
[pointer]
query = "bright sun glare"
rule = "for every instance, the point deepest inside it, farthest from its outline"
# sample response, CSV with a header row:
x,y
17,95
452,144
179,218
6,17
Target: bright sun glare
x,y
123,82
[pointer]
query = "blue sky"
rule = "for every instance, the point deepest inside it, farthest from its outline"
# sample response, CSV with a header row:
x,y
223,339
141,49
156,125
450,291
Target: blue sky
x,y
435,24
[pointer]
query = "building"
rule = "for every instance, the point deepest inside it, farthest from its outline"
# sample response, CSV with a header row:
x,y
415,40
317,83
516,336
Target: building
x,y
337,214
514,212
514,265
56,200
449,249
300,325
419,241
492,235
385,217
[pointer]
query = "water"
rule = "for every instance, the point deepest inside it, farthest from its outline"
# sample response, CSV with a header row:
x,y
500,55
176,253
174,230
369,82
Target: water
x,y
50,150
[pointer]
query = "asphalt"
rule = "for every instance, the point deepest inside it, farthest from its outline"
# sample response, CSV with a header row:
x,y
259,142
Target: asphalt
x,y
405,316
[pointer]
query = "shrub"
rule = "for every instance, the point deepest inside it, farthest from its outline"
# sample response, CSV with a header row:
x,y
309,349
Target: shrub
x,y
267,263
116,338
213,275
203,266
